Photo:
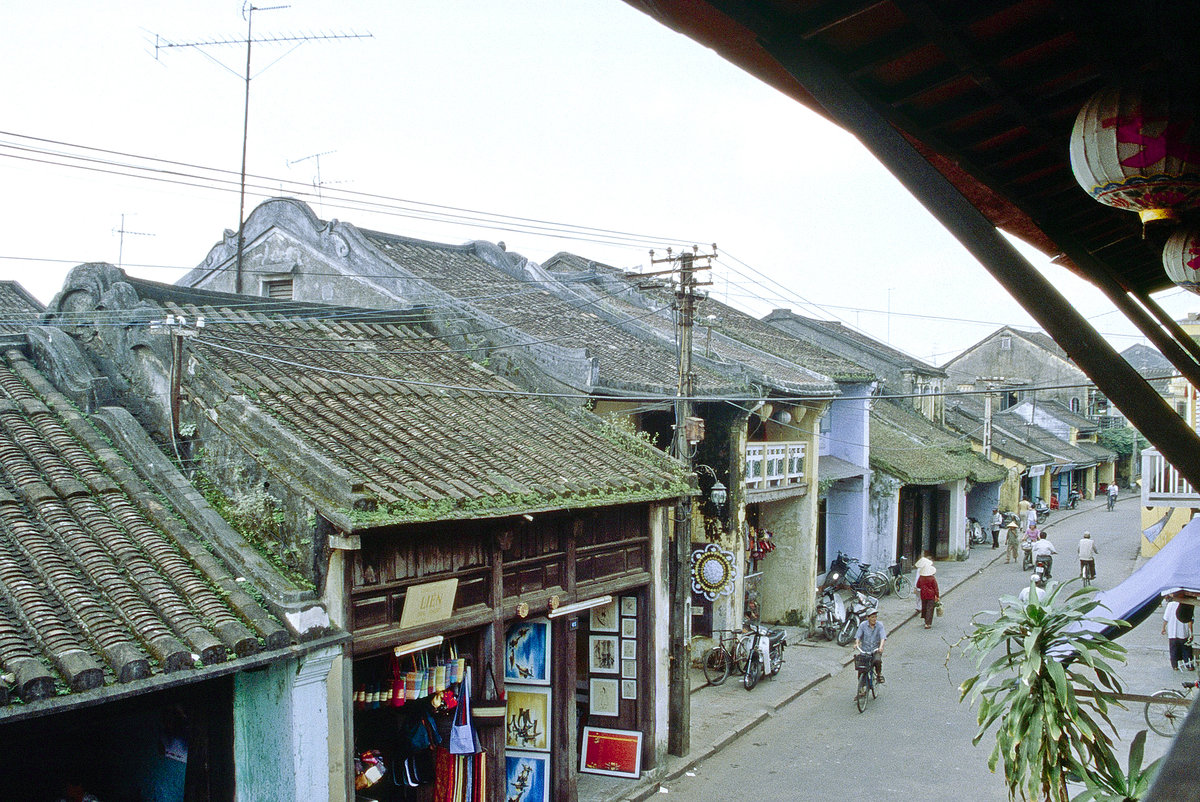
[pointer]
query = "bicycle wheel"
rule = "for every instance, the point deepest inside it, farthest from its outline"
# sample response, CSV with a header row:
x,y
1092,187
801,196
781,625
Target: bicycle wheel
x,y
741,656
902,586
860,698
876,584
1165,718
754,671
716,665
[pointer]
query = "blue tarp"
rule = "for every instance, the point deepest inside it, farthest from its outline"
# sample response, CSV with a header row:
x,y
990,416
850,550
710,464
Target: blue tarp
x,y
1176,568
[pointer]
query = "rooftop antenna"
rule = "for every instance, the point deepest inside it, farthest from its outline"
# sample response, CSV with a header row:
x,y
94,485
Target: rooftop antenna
x,y
317,182
248,9
122,231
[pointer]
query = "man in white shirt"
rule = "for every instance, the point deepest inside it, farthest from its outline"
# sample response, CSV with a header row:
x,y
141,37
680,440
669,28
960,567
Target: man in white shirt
x,y
997,525
1087,557
1112,496
1042,551
1177,633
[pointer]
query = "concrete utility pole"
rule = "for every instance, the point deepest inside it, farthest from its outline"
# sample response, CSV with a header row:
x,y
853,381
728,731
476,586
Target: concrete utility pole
x,y
679,719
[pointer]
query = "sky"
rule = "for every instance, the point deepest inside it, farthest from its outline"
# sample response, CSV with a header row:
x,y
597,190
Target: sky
x,y
583,126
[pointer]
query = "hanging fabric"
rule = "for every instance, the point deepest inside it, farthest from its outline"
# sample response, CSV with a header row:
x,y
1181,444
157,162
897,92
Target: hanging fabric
x,y
463,740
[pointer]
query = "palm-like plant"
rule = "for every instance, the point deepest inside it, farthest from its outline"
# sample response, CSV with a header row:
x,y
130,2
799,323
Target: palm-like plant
x,y
1045,730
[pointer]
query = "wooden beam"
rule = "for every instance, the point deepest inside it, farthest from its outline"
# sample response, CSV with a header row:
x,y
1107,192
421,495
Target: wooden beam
x,y
1142,405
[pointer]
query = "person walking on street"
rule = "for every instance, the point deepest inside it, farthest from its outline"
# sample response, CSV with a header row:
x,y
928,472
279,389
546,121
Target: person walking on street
x,y
1177,632
927,586
1112,495
1012,544
997,525
1087,557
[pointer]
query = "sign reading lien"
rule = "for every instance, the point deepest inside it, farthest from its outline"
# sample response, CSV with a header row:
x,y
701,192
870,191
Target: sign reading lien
x,y
615,752
424,604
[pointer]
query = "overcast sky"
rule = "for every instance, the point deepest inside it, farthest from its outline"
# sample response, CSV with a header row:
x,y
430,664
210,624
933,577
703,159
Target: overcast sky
x,y
577,117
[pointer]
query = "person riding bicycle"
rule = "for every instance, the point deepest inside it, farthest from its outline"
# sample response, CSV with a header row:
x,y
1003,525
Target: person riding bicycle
x,y
870,638
1087,556
1112,491
1043,550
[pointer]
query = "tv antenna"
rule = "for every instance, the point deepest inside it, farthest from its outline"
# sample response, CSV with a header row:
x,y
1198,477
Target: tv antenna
x,y
248,9
122,231
317,182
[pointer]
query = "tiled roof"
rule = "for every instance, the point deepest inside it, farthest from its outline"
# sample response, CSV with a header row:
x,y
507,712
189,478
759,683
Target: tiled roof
x,y
18,309
845,332
966,416
751,333
420,432
908,446
100,583
1047,441
626,361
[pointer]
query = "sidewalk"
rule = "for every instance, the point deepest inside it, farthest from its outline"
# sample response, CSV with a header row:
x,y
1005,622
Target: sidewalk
x,y
722,714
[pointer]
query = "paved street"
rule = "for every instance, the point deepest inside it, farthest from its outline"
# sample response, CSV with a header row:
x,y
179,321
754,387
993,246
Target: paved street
x,y
915,739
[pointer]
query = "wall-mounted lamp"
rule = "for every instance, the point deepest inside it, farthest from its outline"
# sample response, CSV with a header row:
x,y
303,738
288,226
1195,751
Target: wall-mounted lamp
x,y
579,607
717,494
419,645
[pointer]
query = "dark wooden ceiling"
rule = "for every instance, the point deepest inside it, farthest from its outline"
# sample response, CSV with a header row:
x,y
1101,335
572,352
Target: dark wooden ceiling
x,y
987,90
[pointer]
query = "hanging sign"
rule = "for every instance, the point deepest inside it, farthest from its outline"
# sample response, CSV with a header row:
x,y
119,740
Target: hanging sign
x,y
424,604
713,571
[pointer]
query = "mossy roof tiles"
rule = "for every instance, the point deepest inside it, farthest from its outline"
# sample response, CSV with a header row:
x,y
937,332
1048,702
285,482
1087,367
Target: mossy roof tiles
x,y
434,435
908,446
99,586
18,309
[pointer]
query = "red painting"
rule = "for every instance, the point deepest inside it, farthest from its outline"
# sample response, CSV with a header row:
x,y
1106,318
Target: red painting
x,y
614,752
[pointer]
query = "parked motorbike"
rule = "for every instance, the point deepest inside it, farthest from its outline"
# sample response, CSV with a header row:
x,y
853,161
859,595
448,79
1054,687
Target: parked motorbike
x,y
831,611
766,653
1043,510
1073,499
856,612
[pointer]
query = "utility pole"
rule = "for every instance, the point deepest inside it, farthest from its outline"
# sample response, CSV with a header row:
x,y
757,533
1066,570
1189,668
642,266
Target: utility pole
x,y
687,434
248,10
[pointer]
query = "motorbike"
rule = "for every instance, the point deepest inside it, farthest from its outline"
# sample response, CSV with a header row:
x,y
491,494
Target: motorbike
x,y
766,653
1043,564
831,611
1043,510
1026,554
1073,499
856,612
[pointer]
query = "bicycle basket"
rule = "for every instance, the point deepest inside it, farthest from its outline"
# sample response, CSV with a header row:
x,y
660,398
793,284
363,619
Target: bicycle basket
x,y
862,662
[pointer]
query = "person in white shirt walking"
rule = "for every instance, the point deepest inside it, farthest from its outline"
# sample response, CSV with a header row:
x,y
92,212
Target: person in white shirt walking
x,y
1087,557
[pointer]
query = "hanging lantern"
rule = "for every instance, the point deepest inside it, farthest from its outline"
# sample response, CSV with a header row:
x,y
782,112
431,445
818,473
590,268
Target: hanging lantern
x,y
1181,258
1138,148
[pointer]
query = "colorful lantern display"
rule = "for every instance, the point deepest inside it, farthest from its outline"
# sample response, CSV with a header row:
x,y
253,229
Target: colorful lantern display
x,y
1181,258
1138,148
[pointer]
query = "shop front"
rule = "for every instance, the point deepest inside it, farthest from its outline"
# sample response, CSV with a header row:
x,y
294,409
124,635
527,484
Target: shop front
x,y
552,618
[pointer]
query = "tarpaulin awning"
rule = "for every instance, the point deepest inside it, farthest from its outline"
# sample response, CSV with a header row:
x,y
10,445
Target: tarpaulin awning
x,y
1175,569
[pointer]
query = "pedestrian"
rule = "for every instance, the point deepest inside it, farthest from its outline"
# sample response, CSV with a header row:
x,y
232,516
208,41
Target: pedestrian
x,y
1177,632
927,586
1012,543
1031,518
1087,557
997,525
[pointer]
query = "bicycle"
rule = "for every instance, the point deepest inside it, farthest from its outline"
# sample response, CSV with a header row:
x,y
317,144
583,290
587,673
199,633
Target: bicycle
x,y
723,657
864,665
1166,717
1112,501
901,585
1087,571
872,583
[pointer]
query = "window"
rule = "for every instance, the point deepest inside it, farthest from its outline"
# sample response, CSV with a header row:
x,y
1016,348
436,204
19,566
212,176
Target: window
x,y
279,289
1075,405
827,420
1005,342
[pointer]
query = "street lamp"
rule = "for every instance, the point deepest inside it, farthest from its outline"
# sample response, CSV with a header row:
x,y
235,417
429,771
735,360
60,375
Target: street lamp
x,y
717,494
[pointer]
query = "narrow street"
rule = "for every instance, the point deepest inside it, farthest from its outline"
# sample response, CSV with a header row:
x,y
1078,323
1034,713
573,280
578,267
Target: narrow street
x,y
914,740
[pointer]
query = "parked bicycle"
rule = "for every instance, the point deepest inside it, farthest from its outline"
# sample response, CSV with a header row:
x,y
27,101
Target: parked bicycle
x,y
901,585
847,570
1165,717
866,679
723,657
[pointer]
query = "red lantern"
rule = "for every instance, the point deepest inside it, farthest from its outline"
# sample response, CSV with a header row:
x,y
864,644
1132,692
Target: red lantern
x,y
1181,258
1138,148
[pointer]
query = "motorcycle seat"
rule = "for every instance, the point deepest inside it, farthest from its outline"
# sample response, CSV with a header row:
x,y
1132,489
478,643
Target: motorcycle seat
x,y
774,635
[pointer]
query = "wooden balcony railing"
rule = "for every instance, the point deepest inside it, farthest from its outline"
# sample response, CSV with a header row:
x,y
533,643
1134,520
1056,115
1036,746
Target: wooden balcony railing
x,y
775,464
1162,484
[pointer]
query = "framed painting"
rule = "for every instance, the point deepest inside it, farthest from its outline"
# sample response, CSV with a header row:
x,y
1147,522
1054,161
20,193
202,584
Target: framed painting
x,y
602,697
628,627
604,618
629,669
629,606
628,649
617,753
628,689
527,652
527,718
602,654
528,776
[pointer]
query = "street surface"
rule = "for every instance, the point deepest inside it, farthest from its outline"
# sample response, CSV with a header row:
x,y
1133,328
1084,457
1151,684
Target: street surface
x,y
914,740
